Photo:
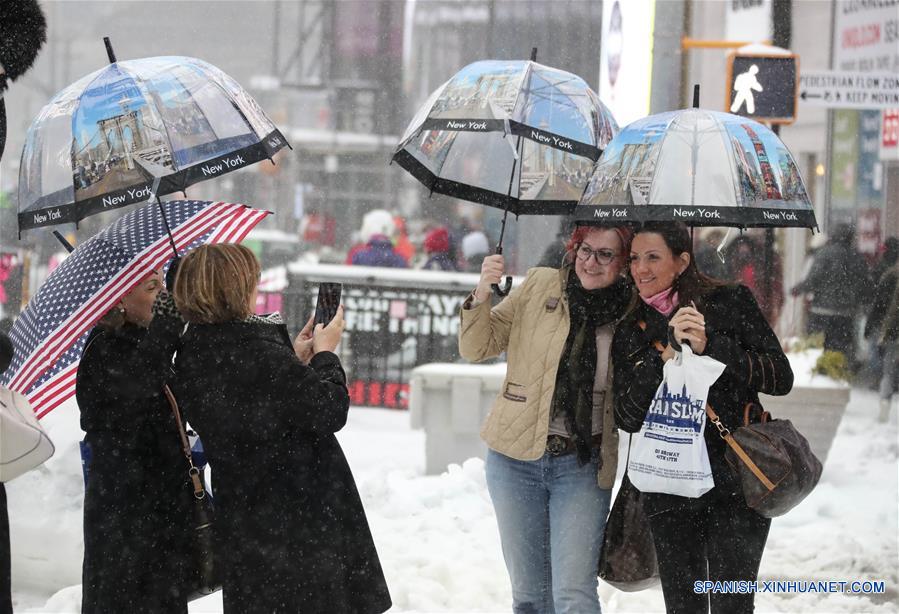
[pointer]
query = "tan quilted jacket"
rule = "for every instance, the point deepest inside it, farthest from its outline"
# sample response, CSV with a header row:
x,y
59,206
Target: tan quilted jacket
x,y
531,326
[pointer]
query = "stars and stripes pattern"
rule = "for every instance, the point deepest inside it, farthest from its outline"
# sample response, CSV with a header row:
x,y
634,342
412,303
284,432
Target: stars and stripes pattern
x,y
50,333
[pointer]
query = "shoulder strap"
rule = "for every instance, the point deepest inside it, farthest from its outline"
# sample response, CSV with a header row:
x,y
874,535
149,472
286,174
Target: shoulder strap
x,y
199,491
724,432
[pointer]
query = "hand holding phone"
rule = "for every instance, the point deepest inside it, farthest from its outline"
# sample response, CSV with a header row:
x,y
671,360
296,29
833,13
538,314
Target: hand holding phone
x,y
326,338
327,303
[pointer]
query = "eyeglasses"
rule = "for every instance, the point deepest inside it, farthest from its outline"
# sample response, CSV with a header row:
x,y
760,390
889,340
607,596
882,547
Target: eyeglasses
x,y
602,256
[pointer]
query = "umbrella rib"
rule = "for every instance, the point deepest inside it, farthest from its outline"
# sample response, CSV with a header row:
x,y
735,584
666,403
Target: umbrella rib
x,y
665,134
524,80
728,147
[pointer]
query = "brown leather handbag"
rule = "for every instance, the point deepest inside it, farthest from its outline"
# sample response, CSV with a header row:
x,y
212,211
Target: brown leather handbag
x,y
774,462
628,559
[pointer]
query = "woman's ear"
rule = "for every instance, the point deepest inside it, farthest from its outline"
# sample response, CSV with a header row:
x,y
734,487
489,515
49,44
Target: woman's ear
x,y
684,262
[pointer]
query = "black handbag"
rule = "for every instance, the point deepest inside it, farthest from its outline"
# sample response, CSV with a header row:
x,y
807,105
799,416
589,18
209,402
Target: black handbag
x,y
774,462
203,577
628,559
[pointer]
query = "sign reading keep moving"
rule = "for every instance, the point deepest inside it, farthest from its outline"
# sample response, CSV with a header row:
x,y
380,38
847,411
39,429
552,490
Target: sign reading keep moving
x,y
849,90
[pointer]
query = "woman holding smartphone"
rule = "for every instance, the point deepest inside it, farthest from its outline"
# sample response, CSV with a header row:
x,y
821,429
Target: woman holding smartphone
x,y
290,527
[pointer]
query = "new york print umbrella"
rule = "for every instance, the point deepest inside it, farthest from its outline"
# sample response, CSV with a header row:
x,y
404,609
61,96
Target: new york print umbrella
x,y
50,333
700,167
516,135
134,130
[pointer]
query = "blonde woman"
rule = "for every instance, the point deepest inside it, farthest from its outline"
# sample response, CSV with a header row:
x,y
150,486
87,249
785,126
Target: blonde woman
x,y
291,531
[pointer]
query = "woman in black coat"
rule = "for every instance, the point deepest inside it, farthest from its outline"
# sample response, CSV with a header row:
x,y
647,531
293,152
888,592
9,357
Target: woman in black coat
x,y
136,500
290,528
715,536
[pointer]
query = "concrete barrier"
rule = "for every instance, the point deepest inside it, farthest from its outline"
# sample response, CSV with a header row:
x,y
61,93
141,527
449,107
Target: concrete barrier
x,y
450,401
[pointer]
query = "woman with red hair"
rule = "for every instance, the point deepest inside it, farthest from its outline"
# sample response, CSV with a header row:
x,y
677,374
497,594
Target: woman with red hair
x,y
553,448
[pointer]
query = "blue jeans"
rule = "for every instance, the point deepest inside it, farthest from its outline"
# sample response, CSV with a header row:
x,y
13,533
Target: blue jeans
x,y
551,515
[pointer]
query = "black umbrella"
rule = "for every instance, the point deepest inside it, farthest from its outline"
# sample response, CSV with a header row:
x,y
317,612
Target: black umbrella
x,y
516,135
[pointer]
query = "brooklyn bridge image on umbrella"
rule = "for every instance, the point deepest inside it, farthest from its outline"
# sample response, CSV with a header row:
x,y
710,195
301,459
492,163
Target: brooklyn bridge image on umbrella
x,y
137,129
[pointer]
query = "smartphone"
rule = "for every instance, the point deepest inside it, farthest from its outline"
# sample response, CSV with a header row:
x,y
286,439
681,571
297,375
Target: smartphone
x,y
327,303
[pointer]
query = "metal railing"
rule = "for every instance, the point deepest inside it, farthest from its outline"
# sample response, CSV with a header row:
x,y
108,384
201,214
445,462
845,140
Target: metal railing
x,y
396,319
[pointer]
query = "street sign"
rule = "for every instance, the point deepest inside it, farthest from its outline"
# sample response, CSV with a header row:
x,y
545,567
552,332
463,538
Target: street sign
x,y
763,87
849,90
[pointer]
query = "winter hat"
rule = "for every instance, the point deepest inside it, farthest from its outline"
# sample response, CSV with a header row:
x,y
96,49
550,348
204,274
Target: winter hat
x,y
23,30
437,240
474,244
376,222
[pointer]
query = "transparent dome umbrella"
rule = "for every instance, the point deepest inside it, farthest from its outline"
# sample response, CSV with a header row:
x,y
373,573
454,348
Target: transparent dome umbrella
x,y
134,130
699,167
50,333
516,135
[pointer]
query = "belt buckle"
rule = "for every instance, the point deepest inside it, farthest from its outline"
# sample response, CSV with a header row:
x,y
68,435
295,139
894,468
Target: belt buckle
x,y
556,445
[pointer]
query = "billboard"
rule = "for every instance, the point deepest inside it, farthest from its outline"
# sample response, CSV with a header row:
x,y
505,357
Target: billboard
x,y
625,65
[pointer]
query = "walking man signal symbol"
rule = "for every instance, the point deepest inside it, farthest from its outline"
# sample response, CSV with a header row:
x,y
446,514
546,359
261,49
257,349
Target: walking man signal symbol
x,y
744,84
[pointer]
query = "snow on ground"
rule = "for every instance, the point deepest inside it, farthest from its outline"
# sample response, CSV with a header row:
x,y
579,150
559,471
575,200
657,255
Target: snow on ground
x,y
437,539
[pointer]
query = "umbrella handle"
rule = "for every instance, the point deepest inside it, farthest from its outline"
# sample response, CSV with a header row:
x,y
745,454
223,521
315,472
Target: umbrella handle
x,y
504,290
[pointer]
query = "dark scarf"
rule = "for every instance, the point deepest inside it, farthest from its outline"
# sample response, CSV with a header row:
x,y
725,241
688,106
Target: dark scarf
x,y
573,394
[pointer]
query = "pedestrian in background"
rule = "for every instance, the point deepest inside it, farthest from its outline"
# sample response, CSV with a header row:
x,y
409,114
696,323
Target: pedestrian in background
x,y
376,247
745,264
437,247
552,445
716,536
840,284
475,247
888,259
290,530
882,328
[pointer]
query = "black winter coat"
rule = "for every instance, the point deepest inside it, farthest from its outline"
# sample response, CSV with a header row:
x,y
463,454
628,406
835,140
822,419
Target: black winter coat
x,y
883,320
838,279
136,498
738,336
290,527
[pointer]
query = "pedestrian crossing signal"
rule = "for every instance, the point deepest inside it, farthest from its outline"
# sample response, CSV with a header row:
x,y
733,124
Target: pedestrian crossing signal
x,y
763,87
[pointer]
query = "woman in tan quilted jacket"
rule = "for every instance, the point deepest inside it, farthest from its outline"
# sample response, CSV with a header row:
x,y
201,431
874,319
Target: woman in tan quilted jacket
x,y
551,436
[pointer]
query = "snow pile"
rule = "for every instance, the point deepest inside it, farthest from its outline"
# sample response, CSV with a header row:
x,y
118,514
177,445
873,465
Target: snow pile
x,y
437,537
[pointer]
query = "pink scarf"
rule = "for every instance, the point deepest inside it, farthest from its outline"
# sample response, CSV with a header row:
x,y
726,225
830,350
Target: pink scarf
x,y
663,302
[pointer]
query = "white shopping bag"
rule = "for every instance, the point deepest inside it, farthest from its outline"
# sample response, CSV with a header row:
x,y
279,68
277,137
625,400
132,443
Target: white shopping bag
x,y
668,455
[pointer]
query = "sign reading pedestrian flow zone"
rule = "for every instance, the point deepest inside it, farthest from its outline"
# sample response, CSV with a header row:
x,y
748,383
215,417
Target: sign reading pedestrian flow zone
x,y
762,87
849,90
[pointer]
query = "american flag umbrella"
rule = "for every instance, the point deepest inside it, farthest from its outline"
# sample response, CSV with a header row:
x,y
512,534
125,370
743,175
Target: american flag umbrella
x,y
134,130
50,333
